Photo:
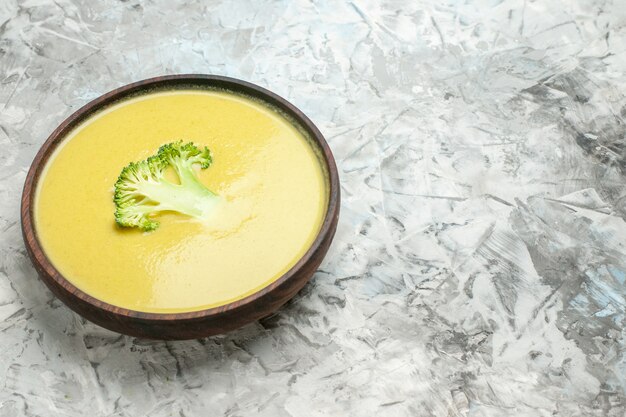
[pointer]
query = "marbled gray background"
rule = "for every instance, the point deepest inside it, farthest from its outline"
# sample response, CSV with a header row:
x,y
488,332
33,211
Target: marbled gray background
x,y
478,268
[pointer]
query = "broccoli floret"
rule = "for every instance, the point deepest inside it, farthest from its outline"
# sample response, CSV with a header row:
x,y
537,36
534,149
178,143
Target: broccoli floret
x,y
142,189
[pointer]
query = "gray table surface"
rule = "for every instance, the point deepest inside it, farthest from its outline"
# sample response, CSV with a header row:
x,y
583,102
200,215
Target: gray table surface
x,y
478,268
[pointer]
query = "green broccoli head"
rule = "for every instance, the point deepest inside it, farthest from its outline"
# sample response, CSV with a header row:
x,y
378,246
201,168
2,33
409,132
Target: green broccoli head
x,y
179,154
142,191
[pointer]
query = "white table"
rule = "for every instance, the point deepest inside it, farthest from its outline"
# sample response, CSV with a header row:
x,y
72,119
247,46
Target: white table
x,y
479,264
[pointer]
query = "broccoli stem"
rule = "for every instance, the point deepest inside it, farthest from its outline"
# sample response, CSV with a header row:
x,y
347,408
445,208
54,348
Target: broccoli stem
x,y
190,198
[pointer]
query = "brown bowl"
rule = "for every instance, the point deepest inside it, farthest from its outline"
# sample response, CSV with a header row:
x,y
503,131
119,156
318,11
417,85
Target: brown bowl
x,y
198,323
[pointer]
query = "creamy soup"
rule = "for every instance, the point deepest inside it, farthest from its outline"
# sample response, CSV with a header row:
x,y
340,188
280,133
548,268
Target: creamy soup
x,y
274,193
